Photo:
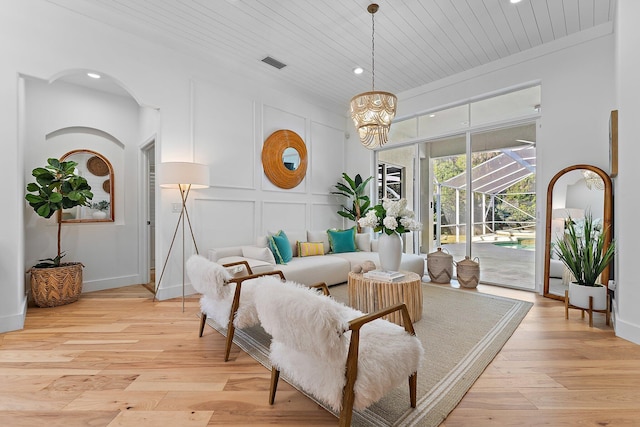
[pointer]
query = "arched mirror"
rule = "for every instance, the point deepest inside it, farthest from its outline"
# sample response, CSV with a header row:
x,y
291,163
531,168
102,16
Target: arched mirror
x,y
572,192
284,158
98,172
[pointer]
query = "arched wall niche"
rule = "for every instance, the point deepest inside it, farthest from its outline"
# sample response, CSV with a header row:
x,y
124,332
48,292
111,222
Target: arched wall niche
x,y
105,83
68,114
86,130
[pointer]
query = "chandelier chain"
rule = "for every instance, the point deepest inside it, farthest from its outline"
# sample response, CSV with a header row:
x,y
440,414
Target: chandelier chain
x,y
372,112
373,50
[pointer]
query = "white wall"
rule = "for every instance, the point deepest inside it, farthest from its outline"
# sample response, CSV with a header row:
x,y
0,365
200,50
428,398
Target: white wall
x,y
627,200
206,112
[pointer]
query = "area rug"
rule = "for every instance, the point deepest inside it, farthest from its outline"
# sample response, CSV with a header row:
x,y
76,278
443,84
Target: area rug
x,y
461,330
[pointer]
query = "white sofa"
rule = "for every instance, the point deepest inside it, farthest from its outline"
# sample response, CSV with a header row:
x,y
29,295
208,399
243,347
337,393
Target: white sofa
x,y
331,268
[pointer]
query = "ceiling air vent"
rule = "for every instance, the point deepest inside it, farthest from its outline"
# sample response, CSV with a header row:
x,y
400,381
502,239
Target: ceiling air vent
x,y
274,62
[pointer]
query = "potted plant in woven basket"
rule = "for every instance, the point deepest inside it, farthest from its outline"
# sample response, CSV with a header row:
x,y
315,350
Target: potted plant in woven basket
x,y
57,187
582,250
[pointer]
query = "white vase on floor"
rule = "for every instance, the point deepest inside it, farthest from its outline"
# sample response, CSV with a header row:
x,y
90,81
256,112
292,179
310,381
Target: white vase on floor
x,y
390,251
579,296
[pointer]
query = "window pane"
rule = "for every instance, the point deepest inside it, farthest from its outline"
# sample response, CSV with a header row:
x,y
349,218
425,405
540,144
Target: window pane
x,y
445,121
508,106
403,131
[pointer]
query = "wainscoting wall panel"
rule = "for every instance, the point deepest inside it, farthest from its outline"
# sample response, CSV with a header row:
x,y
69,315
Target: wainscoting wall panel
x,y
283,215
223,126
325,216
327,157
213,219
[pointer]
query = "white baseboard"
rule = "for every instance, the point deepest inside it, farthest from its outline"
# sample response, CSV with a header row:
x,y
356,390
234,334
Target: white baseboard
x,y
14,322
174,291
111,283
625,330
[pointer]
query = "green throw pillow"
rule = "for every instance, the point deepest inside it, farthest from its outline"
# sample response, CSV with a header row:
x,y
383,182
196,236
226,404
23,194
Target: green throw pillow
x,y
281,248
342,240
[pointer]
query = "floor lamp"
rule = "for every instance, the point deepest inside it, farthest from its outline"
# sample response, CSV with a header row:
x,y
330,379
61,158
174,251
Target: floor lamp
x,y
184,176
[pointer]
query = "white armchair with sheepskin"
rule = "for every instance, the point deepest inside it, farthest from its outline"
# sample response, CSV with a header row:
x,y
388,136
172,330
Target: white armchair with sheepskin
x,y
227,299
346,359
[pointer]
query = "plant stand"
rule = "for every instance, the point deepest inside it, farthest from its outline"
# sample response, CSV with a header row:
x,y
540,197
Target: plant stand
x,y
590,310
51,287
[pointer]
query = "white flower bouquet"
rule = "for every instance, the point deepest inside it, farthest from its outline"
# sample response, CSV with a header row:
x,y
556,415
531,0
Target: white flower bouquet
x,y
391,216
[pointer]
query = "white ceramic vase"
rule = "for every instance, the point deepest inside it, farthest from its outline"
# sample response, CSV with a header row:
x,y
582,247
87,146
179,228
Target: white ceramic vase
x,y
99,215
390,251
579,296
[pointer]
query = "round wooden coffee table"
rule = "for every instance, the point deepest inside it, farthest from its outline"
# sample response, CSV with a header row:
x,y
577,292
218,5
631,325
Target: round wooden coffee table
x,y
369,295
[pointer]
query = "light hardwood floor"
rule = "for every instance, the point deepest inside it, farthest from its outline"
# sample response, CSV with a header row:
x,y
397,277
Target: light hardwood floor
x,y
117,358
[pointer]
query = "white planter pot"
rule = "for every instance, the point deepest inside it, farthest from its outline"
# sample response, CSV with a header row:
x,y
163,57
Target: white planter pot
x,y
390,251
99,215
579,296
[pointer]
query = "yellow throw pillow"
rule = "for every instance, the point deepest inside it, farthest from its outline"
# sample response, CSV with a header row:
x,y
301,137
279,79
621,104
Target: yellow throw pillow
x,y
310,248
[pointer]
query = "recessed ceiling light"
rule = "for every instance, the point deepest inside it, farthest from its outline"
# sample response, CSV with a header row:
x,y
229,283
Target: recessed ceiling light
x,y
358,70
515,1
94,75
432,115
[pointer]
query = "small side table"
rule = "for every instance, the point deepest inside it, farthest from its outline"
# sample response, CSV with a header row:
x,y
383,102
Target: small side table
x,y
368,295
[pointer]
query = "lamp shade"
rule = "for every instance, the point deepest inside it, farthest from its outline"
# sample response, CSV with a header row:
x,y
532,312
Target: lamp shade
x,y
173,174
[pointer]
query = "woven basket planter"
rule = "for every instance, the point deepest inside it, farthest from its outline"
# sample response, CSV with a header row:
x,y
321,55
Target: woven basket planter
x,y
51,287
468,272
440,266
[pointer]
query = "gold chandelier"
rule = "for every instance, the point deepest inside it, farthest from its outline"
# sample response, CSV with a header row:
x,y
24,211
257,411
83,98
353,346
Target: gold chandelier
x,y
372,112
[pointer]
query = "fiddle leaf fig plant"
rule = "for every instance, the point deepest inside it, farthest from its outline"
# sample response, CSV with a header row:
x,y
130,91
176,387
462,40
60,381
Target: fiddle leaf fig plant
x,y
354,189
57,187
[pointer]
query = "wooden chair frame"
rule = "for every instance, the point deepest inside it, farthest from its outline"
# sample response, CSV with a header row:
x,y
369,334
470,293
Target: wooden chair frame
x,y
348,394
231,329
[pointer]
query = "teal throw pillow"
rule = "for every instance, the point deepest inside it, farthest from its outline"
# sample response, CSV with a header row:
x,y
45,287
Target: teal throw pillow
x,y
281,248
342,240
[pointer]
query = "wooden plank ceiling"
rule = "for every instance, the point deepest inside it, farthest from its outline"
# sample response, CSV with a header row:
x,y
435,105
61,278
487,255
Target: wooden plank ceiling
x,y
321,41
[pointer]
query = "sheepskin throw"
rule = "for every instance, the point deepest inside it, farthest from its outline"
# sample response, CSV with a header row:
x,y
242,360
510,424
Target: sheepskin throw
x,y
310,342
211,280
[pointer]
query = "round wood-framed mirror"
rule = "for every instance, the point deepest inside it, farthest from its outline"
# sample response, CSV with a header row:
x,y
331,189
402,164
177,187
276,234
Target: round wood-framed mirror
x,y
571,192
284,158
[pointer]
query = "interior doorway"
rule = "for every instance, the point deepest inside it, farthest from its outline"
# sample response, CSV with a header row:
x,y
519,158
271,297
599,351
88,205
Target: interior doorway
x,y
149,180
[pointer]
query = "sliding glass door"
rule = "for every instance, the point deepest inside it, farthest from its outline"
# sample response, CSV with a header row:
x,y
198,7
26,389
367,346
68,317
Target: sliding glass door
x,y
502,176
495,221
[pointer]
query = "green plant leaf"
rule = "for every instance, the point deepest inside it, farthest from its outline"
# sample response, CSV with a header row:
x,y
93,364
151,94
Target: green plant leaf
x,y
32,198
362,186
45,211
54,163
